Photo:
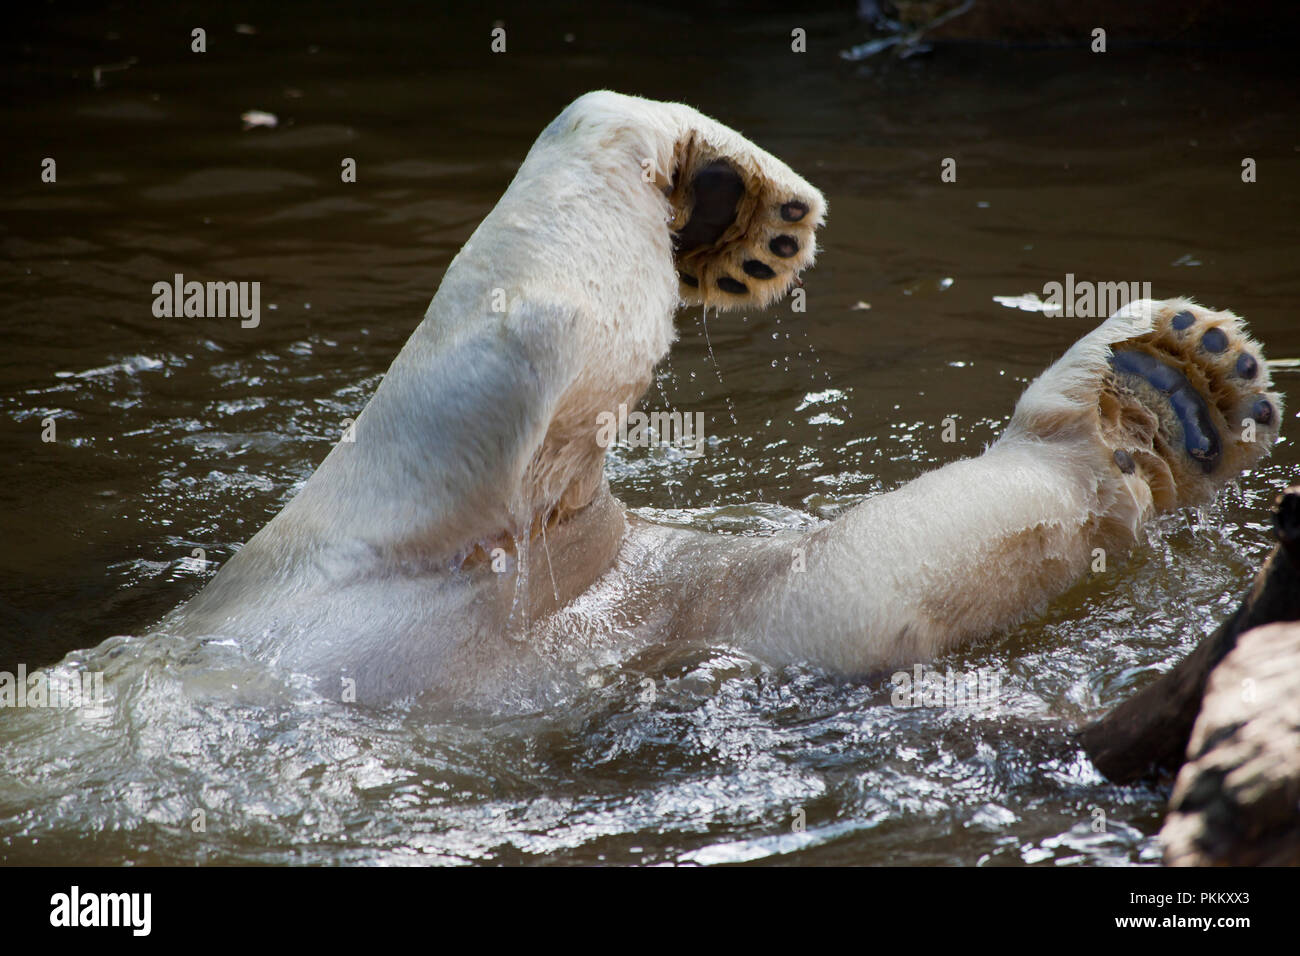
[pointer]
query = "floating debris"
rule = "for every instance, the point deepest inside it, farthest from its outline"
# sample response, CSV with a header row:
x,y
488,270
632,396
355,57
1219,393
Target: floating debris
x,y
1029,302
97,72
908,39
255,118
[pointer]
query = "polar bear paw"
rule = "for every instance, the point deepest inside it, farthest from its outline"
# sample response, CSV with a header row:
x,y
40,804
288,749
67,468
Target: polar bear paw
x,y
1186,406
744,224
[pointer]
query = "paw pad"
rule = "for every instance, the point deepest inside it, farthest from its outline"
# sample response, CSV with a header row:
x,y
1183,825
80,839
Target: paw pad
x,y
1214,340
794,211
1200,437
784,246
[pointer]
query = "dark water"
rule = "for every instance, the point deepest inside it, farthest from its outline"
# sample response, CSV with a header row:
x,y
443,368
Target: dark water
x,y
176,434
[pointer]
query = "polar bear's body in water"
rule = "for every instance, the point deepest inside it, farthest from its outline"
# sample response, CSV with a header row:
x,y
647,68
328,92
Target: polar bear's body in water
x,y
463,543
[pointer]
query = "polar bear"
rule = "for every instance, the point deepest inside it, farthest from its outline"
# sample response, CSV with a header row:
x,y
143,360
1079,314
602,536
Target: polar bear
x,y
464,543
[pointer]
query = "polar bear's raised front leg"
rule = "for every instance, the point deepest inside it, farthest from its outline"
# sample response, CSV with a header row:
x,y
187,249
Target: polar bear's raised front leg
x,y
1155,409
623,209
482,444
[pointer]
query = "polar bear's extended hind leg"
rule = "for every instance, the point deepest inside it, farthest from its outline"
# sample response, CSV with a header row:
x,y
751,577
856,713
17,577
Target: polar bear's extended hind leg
x,y
1153,410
